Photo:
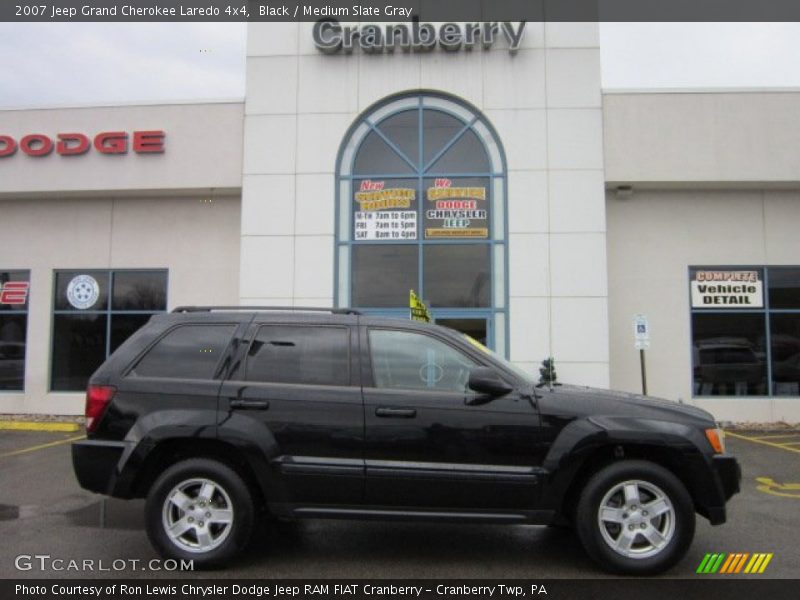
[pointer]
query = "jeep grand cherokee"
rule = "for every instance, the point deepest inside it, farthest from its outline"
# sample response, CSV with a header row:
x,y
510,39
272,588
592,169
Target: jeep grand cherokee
x,y
221,416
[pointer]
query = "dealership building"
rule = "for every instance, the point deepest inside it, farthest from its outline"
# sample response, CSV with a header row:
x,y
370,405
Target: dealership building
x,y
487,171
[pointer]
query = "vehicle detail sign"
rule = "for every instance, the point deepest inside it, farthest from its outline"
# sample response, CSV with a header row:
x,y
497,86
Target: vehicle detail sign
x,y
385,213
727,289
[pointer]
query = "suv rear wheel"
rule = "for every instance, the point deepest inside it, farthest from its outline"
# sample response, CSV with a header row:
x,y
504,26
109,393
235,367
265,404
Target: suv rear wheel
x,y
635,517
201,510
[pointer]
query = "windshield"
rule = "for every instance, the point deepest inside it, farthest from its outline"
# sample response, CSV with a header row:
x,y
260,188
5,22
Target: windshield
x,y
520,374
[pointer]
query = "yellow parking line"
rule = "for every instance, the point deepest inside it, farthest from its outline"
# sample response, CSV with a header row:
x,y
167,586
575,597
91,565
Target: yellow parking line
x,y
43,446
38,426
764,442
776,437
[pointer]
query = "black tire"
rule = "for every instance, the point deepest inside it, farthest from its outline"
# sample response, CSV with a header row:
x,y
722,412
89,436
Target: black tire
x,y
675,527
226,540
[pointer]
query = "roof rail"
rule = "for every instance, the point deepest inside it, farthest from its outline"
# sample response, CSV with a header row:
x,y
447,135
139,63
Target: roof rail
x,y
335,311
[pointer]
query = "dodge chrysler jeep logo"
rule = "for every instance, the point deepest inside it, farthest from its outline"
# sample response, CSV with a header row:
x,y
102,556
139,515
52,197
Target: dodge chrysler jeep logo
x,y
330,37
83,291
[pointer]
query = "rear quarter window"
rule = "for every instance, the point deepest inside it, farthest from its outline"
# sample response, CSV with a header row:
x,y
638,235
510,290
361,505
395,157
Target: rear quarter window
x,y
186,352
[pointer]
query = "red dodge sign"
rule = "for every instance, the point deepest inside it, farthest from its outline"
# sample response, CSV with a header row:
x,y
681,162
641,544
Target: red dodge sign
x,y
14,292
72,144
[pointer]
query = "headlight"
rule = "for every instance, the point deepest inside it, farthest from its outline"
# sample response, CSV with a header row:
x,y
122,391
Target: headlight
x,y
716,437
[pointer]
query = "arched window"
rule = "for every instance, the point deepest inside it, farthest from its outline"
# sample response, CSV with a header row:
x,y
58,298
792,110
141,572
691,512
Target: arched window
x,y
422,206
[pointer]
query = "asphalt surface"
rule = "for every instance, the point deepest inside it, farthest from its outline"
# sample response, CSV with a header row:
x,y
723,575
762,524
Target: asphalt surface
x,y
43,511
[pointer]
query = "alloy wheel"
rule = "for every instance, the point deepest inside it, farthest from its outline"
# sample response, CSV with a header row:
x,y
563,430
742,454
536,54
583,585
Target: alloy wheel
x,y
636,519
197,515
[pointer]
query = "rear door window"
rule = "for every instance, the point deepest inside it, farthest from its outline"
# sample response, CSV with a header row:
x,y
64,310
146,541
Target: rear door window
x,y
186,352
300,354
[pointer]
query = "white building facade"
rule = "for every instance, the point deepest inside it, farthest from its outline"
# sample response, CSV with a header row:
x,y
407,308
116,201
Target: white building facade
x,y
537,110
497,181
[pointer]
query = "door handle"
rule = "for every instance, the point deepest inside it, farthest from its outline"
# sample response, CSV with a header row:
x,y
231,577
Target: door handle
x,y
397,413
250,404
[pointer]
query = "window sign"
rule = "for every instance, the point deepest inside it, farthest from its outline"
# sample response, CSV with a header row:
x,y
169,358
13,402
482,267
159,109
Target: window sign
x,y
727,289
83,291
13,293
14,286
456,211
385,212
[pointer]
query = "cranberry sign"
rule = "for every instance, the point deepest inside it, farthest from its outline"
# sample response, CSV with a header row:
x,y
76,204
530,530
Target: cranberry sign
x,y
75,144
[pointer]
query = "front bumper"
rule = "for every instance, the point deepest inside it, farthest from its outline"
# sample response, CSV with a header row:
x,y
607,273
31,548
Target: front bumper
x,y
729,472
96,464
728,476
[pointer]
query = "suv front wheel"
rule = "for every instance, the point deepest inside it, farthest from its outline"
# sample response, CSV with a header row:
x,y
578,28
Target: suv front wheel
x,y
200,510
635,517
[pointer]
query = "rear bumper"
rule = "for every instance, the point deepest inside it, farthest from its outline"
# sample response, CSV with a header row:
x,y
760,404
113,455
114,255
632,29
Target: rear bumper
x,y
728,474
96,464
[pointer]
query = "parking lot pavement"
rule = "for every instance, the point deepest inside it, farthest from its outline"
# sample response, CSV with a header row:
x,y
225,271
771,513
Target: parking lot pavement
x,y
43,511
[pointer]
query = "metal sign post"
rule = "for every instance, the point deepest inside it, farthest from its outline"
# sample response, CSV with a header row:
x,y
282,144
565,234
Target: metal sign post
x,y
641,336
644,372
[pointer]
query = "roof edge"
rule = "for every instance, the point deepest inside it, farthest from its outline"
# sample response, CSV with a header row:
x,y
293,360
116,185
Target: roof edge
x,y
179,102
701,90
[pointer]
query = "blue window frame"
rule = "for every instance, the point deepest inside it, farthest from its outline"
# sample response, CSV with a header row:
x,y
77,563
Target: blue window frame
x,y
94,312
422,204
745,328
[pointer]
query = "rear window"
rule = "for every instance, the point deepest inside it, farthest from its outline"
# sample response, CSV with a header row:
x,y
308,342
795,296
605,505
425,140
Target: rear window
x,y
186,352
300,354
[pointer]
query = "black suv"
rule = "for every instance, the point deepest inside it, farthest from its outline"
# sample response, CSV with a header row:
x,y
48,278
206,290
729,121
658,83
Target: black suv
x,y
221,416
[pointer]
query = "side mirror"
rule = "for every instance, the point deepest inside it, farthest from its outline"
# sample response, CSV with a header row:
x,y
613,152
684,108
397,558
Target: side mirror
x,y
485,381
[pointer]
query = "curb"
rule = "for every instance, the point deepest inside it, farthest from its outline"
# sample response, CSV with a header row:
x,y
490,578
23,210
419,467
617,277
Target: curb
x,y
38,426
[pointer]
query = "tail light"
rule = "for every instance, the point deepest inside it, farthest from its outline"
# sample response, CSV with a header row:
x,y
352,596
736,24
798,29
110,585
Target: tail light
x,y
97,399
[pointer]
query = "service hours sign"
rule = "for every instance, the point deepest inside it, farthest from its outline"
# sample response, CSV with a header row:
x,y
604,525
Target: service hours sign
x,y
385,211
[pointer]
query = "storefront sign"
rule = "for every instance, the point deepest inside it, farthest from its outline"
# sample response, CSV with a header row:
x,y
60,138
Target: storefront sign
x,y
14,292
374,222
419,311
74,144
727,289
330,37
457,212
83,291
